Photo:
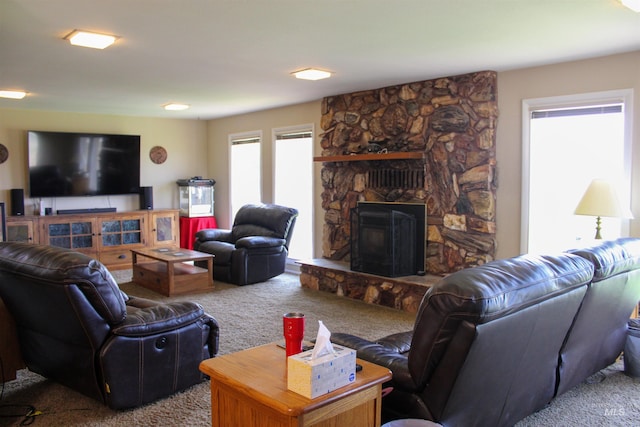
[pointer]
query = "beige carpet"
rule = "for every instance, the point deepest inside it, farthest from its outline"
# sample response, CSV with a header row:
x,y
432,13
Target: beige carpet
x,y
251,315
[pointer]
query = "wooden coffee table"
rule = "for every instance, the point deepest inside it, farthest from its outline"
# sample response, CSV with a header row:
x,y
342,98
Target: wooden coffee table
x,y
165,270
249,389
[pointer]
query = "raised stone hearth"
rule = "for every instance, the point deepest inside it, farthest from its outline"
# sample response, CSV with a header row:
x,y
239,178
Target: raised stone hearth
x,y
403,293
450,123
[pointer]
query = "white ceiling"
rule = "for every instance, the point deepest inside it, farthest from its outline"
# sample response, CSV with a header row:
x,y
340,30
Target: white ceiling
x,y
225,57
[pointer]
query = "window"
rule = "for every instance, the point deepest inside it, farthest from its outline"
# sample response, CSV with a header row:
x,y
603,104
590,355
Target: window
x,y
293,181
568,142
245,171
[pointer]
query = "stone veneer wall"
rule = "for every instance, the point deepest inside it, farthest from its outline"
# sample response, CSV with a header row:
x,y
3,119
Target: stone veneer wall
x,y
452,121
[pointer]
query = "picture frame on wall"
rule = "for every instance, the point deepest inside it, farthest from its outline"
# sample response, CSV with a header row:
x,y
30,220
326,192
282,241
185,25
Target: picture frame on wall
x,y
3,224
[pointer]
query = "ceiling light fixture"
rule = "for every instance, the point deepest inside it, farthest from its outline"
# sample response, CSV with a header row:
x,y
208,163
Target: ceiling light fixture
x,y
12,94
632,4
175,107
311,74
89,39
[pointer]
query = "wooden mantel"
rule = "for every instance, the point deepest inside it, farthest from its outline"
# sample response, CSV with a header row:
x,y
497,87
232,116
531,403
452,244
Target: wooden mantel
x,y
374,157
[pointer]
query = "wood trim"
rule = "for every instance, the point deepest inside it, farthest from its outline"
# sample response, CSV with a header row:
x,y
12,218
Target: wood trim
x,y
373,157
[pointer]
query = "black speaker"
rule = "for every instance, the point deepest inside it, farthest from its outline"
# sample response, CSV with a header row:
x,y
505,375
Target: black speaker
x,y
17,201
146,198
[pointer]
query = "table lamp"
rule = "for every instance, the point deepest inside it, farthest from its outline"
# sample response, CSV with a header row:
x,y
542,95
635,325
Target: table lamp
x,y
600,200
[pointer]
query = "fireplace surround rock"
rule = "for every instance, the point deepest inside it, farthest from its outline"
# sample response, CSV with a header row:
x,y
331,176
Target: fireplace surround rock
x,y
401,293
452,122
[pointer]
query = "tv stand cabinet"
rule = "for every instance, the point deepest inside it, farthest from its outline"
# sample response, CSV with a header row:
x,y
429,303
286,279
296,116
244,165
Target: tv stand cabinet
x,y
107,236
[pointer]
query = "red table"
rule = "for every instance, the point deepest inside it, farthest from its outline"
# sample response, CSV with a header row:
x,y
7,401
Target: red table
x,y
189,227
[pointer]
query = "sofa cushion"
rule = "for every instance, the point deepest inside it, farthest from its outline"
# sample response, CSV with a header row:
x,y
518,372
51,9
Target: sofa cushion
x,y
261,242
263,220
612,257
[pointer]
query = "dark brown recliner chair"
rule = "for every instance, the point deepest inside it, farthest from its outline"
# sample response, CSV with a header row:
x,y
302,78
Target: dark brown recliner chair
x,y
76,327
256,247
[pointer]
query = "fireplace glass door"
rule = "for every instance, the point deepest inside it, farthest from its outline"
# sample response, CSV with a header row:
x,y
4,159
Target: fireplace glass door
x,y
383,242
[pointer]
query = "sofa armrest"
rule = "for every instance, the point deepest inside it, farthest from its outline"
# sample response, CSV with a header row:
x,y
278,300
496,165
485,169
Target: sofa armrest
x,y
219,234
259,242
401,341
146,317
380,354
155,352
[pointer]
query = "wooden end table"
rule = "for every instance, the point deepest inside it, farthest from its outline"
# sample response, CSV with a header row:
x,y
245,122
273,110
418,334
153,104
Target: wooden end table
x,y
164,270
249,389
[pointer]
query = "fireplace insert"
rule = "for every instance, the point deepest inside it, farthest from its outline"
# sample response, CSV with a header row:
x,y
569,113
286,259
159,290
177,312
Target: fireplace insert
x,y
387,239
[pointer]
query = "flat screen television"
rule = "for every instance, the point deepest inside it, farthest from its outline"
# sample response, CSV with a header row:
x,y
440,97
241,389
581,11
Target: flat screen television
x,y
65,164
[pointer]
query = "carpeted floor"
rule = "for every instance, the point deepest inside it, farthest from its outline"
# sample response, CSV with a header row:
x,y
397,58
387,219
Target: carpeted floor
x,y
252,315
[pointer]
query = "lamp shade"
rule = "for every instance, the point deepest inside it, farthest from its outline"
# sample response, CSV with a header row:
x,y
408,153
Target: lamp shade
x,y
601,199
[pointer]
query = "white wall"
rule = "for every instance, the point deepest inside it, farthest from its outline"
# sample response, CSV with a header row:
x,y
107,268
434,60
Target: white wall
x,y
594,75
219,131
184,140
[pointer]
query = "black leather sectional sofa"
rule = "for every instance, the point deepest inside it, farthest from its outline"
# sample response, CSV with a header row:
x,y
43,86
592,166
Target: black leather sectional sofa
x,y
494,343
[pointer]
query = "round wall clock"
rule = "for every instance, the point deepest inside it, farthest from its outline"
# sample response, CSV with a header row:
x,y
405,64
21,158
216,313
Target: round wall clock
x,y
4,154
158,155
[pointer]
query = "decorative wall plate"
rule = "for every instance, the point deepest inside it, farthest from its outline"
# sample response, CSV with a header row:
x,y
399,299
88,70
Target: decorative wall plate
x,y
158,155
4,154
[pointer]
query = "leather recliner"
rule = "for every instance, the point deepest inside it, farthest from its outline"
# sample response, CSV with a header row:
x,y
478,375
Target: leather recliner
x,y
255,249
485,343
76,327
599,331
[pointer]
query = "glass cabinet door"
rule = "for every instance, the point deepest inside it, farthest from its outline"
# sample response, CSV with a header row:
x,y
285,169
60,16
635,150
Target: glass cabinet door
x,y
164,229
20,231
122,231
71,235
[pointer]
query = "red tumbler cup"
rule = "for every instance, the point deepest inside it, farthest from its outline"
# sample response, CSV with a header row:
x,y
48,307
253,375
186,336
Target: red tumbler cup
x,y
293,324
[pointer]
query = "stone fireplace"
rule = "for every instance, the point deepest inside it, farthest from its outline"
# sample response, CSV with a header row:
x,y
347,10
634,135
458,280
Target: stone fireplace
x,y
431,143
450,124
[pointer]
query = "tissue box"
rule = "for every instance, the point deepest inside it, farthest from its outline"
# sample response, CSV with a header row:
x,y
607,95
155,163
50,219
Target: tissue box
x,y
313,378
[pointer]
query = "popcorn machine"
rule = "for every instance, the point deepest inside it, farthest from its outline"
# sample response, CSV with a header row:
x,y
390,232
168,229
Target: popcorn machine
x,y
196,197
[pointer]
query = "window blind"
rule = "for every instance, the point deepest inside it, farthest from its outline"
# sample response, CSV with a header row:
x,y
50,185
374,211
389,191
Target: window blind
x,y
250,140
294,135
603,109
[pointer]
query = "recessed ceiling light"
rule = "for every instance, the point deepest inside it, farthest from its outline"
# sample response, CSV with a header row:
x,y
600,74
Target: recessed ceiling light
x,y
632,4
89,39
12,94
175,107
311,74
